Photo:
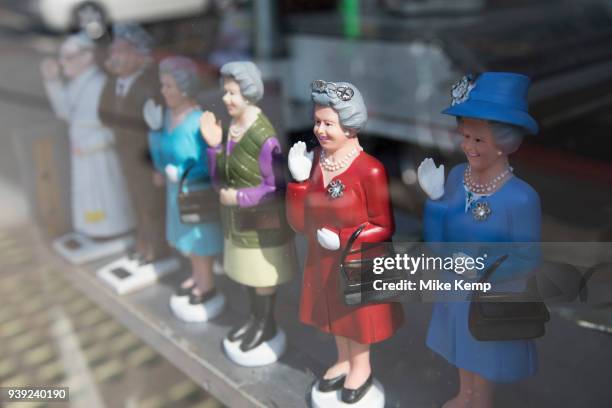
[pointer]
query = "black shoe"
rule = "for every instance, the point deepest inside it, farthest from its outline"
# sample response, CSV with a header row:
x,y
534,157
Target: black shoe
x,y
350,396
238,332
144,261
135,256
181,291
202,298
264,327
151,257
332,384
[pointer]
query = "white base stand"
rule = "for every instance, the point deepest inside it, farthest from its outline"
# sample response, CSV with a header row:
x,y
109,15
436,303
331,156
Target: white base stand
x,y
79,249
127,275
197,313
374,398
266,353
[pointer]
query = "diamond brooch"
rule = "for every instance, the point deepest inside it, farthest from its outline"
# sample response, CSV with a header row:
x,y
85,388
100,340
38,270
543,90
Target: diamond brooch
x,y
336,189
460,92
481,211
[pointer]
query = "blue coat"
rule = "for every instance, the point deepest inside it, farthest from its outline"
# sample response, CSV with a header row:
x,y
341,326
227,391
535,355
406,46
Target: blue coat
x,y
183,147
515,217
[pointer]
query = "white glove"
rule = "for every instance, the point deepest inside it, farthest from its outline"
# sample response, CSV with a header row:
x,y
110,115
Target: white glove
x,y
172,173
431,178
153,115
300,161
328,239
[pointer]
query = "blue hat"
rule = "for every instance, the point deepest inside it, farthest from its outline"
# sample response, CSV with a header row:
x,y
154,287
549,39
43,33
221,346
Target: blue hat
x,y
498,96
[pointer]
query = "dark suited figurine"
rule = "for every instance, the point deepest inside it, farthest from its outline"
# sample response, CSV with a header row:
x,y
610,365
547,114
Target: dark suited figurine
x,y
121,107
123,98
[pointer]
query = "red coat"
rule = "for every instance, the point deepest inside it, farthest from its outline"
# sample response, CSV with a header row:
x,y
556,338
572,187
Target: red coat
x,y
365,200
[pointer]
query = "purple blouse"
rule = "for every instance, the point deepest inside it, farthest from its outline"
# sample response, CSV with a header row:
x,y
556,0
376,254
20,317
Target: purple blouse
x,y
250,196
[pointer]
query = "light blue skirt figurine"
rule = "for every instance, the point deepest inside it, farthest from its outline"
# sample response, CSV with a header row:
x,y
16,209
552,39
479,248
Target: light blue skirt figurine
x,y
176,146
483,201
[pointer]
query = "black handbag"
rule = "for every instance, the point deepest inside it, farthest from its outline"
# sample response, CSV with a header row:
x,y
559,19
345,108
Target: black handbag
x,y
268,215
197,206
357,277
506,315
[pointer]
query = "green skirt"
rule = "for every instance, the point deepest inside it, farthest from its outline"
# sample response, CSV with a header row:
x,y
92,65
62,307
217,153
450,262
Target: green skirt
x,y
260,267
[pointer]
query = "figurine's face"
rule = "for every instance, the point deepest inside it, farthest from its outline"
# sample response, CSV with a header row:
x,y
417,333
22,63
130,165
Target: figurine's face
x,y
479,144
124,59
74,60
173,95
328,130
235,103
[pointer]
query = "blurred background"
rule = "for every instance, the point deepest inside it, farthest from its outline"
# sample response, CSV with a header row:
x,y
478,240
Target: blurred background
x,y
404,55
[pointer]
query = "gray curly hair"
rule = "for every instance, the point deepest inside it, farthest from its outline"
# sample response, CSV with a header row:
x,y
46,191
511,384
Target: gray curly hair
x,y
507,137
248,77
185,73
345,99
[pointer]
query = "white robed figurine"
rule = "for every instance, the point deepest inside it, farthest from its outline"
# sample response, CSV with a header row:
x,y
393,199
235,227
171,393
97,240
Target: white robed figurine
x,y
100,202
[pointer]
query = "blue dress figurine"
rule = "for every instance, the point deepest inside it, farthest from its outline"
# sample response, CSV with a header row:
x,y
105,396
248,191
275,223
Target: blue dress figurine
x,y
183,148
483,202
176,147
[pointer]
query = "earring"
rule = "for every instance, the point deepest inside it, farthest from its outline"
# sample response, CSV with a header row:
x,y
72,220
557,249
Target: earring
x,y
499,153
347,133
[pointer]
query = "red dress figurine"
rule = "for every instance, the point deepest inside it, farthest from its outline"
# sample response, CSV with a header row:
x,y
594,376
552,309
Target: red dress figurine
x,y
365,199
340,190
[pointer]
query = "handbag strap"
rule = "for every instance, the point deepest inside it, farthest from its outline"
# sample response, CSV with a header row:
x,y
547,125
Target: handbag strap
x,y
349,244
184,177
347,250
489,271
583,290
475,295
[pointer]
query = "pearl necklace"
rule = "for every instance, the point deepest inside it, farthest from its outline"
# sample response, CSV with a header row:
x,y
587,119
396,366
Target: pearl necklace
x,y
331,165
483,188
236,131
